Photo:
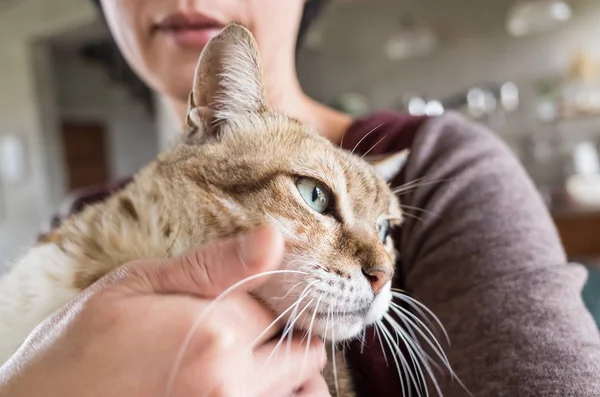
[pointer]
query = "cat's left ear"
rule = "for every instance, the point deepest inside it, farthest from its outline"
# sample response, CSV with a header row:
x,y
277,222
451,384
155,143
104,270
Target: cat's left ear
x,y
228,80
390,166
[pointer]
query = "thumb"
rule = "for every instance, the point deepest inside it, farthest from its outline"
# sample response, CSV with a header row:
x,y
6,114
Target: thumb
x,y
211,269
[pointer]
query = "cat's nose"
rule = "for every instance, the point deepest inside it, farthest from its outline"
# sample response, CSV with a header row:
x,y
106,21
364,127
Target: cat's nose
x,y
378,277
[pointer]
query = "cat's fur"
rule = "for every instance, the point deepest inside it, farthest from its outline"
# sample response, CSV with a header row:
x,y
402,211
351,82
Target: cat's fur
x,y
235,170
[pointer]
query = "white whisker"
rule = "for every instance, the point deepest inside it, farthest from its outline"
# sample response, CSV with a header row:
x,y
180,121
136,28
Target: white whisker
x,y
197,322
415,356
362,336
381,344
403,206
287,293
312,321
365,136
417,183
413,216
416,380
420,308
433,343
373,147
288,332
333,353
271,325
290,328
415,340
396,353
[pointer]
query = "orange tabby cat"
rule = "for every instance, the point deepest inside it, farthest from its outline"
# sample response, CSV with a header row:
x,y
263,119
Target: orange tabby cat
x,y
240,166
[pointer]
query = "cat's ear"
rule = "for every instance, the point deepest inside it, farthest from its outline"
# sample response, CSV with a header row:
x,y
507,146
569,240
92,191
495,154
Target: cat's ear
x,y
389,167
228,79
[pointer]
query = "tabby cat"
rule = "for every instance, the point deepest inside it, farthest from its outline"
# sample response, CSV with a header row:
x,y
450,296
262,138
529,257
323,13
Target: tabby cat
x,y
241,165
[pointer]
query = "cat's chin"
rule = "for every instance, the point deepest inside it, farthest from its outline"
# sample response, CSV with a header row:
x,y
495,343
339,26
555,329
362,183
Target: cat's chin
x,y
380,305
342,327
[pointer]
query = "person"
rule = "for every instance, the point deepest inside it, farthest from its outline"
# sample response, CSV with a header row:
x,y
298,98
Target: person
x,y
483,255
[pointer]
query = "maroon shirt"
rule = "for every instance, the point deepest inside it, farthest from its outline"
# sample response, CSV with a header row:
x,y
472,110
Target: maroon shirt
x,y
383,132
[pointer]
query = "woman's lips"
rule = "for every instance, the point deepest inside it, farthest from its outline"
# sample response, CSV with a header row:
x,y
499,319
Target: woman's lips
x,y
189,30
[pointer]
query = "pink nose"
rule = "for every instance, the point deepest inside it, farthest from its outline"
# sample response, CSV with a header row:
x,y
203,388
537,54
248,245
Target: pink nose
x,y
378,278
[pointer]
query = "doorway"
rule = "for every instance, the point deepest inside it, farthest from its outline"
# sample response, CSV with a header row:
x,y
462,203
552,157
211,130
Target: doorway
x,y
85,153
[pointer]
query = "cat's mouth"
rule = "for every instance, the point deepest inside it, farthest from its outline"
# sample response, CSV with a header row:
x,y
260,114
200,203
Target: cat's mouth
x,y
361,313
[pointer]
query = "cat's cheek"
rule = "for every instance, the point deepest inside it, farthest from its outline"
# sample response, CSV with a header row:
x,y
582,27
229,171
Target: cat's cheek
x,y
380,305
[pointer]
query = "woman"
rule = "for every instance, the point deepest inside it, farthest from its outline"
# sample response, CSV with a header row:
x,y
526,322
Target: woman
x,y
488,262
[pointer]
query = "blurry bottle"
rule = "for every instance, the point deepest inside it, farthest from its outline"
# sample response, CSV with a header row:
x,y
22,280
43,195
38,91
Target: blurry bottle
x,y
580,93
584,184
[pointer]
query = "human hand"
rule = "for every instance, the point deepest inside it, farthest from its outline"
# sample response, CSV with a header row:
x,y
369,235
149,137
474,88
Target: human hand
x,y
123,335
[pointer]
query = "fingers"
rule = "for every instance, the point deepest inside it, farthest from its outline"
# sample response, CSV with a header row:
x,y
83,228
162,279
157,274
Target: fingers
x,y
289,369
211,269
243,319
314,387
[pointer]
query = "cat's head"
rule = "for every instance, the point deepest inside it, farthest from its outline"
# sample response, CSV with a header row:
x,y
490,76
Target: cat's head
x,y
334,209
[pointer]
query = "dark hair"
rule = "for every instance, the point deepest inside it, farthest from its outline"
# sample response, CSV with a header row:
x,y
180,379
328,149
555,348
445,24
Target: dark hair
x,y
108,55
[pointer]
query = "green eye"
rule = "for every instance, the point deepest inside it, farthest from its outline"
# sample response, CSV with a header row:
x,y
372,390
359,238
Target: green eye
x,y
383,228
314,193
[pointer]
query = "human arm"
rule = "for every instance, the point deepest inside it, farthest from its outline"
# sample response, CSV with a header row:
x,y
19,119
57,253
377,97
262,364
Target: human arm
x,y
122,336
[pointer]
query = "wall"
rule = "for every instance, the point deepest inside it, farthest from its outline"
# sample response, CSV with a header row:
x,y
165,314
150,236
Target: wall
x,y
86,93
27,111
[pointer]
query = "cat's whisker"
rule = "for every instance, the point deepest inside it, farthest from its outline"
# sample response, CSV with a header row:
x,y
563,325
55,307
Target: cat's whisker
x,y
417,377
333,353
271,326
417,183
415,353
342,140
288,333
287,293
432,342
188,338
421,309
414,216
415,341
409,328
365,137
396,353
437,350
409,184
373,147
381,343
327,323
362,336
419,209
290,326
310,327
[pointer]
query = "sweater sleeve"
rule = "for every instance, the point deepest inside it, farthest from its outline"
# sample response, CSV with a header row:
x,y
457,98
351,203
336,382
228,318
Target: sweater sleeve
x,y
485,257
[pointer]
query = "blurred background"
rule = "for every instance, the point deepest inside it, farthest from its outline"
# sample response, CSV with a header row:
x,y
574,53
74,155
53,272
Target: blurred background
x,y
72,114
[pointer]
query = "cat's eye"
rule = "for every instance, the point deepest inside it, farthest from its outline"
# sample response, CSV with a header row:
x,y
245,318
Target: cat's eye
x,y
383,228
314,193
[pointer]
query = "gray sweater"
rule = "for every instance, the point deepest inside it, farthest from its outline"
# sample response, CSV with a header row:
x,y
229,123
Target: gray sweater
x,y
486,258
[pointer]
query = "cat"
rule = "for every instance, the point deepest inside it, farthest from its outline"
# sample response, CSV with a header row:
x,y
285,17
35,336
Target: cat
x,y
240,165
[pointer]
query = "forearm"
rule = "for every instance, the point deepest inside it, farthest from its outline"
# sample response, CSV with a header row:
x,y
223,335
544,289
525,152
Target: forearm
x,y
486,258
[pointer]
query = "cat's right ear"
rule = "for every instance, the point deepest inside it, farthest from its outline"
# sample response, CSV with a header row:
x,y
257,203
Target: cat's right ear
x,y
228,81
389,166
